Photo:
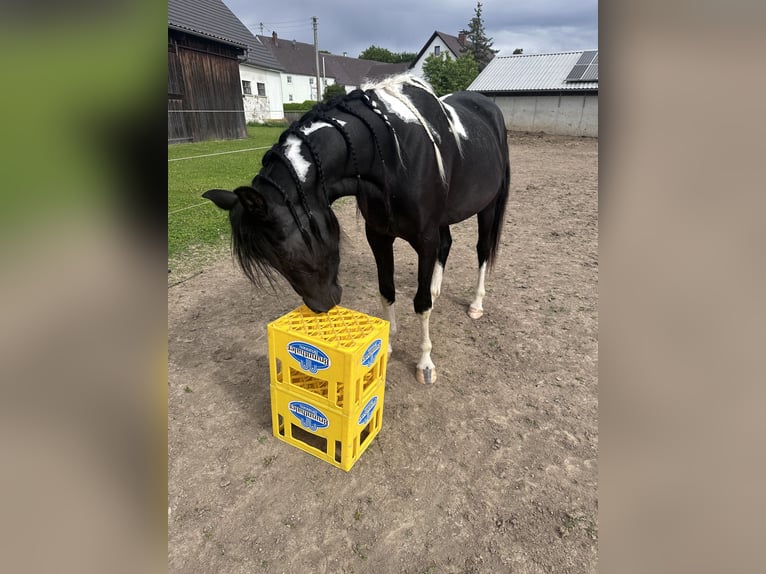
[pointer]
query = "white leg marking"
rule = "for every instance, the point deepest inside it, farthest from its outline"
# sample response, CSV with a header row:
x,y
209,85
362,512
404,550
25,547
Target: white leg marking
x,y
426,372
389,314
475,309
436,281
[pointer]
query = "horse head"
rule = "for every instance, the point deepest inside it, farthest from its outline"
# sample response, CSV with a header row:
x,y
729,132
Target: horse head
x,y
268,234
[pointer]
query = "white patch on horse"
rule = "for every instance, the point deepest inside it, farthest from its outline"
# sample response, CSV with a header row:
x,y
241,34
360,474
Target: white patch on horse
x,y
389,314
456,126
293,153
293,145
391,94
312,127
426,372
436,281
454,121
475,309
396,106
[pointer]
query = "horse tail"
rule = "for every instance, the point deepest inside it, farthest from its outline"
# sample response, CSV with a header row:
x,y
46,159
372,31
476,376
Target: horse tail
x,y
500,202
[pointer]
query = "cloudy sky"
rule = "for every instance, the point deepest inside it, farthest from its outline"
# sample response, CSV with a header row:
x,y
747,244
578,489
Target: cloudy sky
x,y
537,26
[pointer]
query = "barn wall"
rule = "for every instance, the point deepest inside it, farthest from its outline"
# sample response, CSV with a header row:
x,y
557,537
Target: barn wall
x,y
204,90
563,114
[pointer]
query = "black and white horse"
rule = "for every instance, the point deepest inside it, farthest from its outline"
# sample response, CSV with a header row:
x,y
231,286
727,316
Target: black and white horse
x,y
416,165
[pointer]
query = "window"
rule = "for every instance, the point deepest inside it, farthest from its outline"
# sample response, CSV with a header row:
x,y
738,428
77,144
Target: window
x,y
261,89
311,81
289,97
437,50
246,88
289,79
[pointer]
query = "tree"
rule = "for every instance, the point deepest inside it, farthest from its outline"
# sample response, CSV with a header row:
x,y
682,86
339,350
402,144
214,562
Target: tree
x,y
333,90
518,51
384,55
480,47
447,75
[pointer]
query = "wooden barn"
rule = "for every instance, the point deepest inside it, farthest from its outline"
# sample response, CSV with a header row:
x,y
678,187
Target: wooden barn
x,y
204,91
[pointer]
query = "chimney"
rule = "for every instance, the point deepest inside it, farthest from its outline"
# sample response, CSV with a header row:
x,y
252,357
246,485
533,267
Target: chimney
x,y
461,37
274,38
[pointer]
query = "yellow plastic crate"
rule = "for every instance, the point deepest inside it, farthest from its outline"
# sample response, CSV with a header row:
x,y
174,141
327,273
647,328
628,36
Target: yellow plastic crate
x,y
328,375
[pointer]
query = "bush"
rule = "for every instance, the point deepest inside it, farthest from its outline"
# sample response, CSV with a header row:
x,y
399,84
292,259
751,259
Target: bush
x,y
299,106
333,90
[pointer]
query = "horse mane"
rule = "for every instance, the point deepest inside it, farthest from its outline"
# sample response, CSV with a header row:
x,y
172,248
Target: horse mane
x,y
252,253
354,104
393,86
321,112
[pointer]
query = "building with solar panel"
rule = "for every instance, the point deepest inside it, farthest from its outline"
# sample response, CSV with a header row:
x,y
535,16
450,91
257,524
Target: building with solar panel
x,y
551,93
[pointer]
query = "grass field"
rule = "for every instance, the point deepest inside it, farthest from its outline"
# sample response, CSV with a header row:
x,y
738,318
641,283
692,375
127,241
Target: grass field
x,y
192,170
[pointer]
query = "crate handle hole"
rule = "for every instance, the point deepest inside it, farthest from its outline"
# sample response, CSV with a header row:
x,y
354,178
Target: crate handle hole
x,y
310,439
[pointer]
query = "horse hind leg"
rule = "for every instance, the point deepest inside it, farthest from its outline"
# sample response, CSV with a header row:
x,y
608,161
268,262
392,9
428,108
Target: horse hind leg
x,y
445,242
483,247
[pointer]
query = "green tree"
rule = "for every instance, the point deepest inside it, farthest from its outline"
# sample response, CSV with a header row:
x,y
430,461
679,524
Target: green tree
x,y
447,75
378,54
333,90
518,51
480,47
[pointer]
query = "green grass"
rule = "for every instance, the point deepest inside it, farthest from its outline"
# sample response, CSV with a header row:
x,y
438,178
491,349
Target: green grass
x,y
201,222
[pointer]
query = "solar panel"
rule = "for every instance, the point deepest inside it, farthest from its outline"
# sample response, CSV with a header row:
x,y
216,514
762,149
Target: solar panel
x,y
586,68
591,74
587,57
576,73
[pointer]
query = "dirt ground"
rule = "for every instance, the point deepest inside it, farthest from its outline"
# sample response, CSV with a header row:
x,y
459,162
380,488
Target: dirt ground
x,y
492,469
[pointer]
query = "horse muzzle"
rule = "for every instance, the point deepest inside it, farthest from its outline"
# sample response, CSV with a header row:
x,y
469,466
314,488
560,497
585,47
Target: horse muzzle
x,y
325,302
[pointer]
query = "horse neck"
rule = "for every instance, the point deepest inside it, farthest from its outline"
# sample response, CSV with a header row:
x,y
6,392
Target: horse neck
x,y
343,156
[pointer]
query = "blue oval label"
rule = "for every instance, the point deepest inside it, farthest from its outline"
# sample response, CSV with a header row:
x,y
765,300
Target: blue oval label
x,y
367,411
368,358
309,416
308,356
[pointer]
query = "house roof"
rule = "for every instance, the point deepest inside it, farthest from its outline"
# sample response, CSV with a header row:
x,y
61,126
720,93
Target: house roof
x,y
451,42
534,72
213,19
299,58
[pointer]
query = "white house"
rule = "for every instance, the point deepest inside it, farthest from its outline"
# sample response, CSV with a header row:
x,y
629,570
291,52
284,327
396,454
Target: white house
x,y
257,84
299,59
439,43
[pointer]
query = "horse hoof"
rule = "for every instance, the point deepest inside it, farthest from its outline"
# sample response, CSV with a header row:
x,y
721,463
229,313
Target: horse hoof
x,y
475,313
426,376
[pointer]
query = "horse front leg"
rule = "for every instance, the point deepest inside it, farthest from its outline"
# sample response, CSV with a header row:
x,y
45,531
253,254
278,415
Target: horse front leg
x,y
423,303
383,250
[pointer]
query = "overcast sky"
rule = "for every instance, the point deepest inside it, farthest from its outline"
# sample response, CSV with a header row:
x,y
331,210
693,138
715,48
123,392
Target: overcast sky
x,y
537,26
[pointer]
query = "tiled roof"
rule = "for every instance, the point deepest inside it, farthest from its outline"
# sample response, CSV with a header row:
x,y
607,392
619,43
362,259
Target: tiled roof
x,y
531,72
213,19
299,58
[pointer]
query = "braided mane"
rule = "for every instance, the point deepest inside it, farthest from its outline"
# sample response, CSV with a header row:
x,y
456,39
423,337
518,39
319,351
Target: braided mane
x,y
356,104
321,112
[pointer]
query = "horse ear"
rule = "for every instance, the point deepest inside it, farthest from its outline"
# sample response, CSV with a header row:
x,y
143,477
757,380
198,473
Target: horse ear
x,y
222,198
253,201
